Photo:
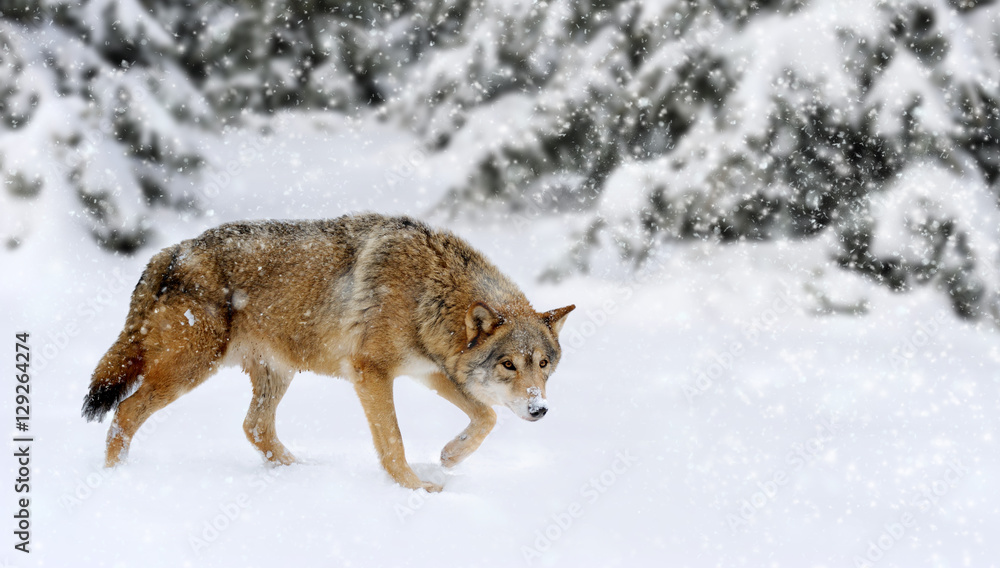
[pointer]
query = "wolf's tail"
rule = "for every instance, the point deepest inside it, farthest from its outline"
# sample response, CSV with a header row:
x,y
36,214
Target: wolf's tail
x,y
120,370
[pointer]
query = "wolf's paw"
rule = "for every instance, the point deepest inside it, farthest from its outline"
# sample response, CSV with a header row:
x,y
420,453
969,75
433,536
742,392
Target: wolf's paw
x,y
451,459
430,487
115,458
282,457
456,451
110,463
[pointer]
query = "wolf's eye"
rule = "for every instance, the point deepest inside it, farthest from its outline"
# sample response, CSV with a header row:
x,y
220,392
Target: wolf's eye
x,y
508,365
543,363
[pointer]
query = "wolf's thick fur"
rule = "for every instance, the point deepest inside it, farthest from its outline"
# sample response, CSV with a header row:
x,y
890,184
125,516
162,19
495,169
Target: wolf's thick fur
x,y
364,297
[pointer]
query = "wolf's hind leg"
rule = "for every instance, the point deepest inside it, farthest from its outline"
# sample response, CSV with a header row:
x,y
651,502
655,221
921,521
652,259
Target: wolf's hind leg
x,y
269,386
482,419
164,382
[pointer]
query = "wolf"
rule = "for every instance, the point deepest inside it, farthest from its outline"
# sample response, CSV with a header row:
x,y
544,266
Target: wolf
x,y
364,297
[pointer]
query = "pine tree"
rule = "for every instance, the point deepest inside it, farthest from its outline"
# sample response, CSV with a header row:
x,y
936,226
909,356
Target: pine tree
x,y
735,120
92,106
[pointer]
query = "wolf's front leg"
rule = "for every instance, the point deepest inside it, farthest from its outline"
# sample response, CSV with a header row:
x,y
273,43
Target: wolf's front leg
x,y
481,417
375,391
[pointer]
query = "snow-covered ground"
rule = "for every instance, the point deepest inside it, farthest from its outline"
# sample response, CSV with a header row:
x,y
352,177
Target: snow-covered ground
x,y
702,415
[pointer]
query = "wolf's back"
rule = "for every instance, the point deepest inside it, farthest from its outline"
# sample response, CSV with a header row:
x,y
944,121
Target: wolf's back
x,y
118,372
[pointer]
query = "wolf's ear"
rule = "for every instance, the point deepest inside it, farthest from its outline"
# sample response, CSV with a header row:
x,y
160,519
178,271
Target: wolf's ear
x,y
557,317
480,320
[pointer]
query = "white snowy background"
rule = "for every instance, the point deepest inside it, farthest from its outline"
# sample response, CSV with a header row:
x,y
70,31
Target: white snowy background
x,y
748,404
684,391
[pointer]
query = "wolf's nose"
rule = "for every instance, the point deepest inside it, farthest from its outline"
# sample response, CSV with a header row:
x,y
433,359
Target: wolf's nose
x,y
538,412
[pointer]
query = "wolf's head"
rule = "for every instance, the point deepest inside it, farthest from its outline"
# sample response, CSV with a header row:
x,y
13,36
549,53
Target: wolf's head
x,y
510,355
